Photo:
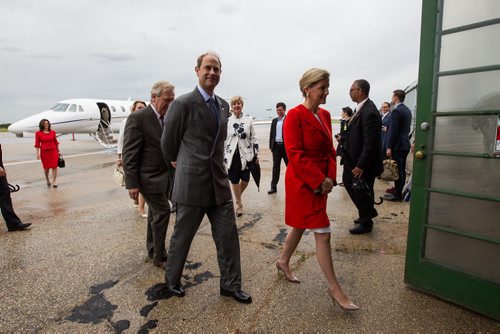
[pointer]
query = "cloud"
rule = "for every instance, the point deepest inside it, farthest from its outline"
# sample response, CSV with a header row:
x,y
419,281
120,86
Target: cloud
x,y
44,56
11,49
118,55
227,9
116,49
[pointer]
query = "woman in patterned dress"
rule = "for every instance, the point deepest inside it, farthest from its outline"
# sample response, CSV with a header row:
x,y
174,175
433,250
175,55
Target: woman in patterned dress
x,y
241,147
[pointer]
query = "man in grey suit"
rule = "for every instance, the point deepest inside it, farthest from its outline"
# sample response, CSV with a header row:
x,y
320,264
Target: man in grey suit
x,y
193,137
145,169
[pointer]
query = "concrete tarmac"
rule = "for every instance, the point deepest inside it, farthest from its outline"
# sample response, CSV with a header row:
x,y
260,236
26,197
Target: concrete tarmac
x,y
83,266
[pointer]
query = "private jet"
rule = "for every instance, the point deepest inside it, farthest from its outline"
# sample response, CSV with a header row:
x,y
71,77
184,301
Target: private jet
x,y
99,118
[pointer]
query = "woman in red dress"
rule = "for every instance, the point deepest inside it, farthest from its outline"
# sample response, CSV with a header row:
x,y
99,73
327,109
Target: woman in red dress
x,y
47,149
310,176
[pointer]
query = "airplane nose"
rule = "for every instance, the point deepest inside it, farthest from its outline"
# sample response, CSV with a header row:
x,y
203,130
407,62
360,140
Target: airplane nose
x,y
15,129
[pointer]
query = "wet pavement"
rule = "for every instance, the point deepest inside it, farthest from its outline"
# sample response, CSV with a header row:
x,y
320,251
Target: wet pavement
x,y
83,268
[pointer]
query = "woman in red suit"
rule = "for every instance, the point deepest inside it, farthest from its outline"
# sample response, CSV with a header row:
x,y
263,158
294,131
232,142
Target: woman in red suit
x,y
310,176
47,149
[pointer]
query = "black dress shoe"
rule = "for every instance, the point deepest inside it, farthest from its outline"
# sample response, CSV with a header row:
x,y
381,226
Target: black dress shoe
x,y
373,215
239,295
360,229
393,198
272,191
177,290
20,227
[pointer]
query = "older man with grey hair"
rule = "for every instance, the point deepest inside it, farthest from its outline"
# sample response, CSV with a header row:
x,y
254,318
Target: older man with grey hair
x,y
146,171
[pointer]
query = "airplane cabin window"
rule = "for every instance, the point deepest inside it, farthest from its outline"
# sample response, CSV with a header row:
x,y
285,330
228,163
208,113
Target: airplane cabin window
x,y
72,108
60,107
113,109
80,108
122,108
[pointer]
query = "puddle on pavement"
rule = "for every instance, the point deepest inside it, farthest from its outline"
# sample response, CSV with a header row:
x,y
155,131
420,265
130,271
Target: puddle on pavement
x,y
151,324
97,309
268,245
197,279
280,237
192,266
248,225
158,292
121,325
144,312
95,289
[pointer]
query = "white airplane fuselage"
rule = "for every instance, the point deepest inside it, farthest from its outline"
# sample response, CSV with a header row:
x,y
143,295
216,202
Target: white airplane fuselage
x,y
77,116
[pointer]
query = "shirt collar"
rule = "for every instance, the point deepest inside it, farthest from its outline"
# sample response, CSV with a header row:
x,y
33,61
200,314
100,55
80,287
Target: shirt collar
x,y
205,95
360,105
156,112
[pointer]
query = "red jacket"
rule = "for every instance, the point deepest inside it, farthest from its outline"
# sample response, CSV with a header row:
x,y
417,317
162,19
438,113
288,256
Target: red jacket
x,y
309,146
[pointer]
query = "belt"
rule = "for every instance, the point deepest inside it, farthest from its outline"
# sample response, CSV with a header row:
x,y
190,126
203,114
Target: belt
x,y
278,142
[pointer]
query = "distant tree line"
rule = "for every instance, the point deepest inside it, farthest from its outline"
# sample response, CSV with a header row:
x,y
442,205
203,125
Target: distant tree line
x,y
4,125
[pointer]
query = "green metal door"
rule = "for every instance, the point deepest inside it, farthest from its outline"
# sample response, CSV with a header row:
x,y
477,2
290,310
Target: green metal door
x,y
454,232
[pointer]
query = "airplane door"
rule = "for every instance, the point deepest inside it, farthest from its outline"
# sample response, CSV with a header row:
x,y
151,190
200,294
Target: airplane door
x,y
453,248
105,115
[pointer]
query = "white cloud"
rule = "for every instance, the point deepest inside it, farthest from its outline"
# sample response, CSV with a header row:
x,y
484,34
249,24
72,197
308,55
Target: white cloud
x,y
55,49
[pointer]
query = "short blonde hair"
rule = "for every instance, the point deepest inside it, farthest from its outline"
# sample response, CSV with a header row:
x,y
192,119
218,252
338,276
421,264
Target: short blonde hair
x,y
160,87
311,77
235,99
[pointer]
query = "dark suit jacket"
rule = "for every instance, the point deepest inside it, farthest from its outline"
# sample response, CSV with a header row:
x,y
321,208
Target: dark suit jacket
x,y
143,161
272,134
363,140
386,120
190,139
399,129
1,161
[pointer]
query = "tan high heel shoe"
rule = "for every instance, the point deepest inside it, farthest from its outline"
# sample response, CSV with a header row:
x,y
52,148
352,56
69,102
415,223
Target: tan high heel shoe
x,y
291,279
239,210
345,307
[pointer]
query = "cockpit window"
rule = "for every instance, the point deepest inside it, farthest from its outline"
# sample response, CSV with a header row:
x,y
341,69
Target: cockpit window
x,y
72,108
80,108
60,107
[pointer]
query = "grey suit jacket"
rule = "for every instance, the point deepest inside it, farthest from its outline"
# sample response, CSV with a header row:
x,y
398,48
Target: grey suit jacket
x,y
143,161
190,139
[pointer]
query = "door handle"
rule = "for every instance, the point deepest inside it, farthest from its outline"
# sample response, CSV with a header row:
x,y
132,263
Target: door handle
x,y
420,155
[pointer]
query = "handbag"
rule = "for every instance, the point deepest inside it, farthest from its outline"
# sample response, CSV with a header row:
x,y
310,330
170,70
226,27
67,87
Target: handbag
x,y
390,172
60,162
361,189
119,176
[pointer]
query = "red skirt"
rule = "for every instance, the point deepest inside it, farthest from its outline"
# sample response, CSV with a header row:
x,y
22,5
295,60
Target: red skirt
x,y
49,158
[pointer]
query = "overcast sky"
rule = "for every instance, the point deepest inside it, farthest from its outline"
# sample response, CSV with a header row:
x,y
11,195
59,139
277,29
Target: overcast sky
x,y
55,49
